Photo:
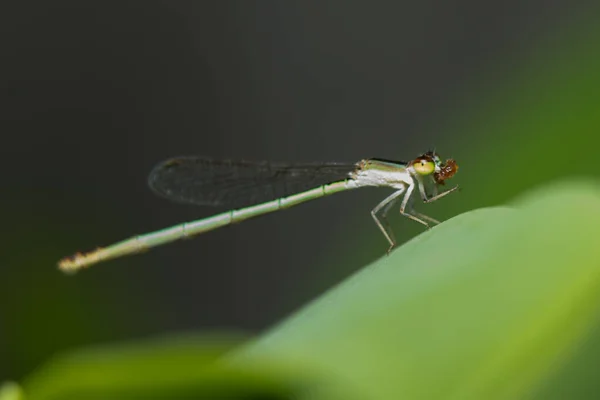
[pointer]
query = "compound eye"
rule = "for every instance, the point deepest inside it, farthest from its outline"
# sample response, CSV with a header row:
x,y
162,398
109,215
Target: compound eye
x,y
424,167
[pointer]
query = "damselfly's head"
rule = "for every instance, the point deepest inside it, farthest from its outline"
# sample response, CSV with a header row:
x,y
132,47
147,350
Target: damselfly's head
x,y
430,163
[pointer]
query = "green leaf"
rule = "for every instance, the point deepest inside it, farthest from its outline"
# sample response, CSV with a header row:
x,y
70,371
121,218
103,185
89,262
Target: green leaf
x,y
487,305
164,368
10,391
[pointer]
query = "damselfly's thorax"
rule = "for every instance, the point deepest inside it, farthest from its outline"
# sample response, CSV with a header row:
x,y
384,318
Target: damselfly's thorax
x,y
377,172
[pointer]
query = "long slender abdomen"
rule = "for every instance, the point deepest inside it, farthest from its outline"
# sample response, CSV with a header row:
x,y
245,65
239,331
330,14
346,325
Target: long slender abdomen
x,y
145,242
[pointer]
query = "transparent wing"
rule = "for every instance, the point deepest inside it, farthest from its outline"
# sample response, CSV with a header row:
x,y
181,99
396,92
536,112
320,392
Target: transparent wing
x,y
236,184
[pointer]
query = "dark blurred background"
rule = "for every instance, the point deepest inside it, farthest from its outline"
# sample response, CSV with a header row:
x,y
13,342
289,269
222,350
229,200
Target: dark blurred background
x,y
95,93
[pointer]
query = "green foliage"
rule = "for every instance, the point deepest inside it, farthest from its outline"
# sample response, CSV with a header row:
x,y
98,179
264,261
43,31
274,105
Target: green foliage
x,y
492,304
11,391
487,305
165,368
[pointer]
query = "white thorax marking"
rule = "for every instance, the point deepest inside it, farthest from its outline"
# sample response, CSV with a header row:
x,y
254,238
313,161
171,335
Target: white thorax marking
x,y
374,173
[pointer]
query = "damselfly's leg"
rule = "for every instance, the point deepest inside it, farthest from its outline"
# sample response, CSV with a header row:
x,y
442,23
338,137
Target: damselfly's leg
x,y
426,199
424,196
387,208
437,196
434,188
382,223
423,189
386,223
411,213
411,210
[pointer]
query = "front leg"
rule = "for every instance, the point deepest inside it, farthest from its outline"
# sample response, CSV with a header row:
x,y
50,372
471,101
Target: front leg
x,y
410,213
408,210
429,199
440,195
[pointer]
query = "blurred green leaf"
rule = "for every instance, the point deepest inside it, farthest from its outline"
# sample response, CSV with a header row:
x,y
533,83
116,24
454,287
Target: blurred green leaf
x,y
487,305
180,367
10,391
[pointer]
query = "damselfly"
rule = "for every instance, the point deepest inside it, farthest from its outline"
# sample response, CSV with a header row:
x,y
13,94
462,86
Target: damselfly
x,y
251,189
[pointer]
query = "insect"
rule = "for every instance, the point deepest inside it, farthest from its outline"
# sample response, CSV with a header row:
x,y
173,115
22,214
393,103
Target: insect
x,y
251,189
